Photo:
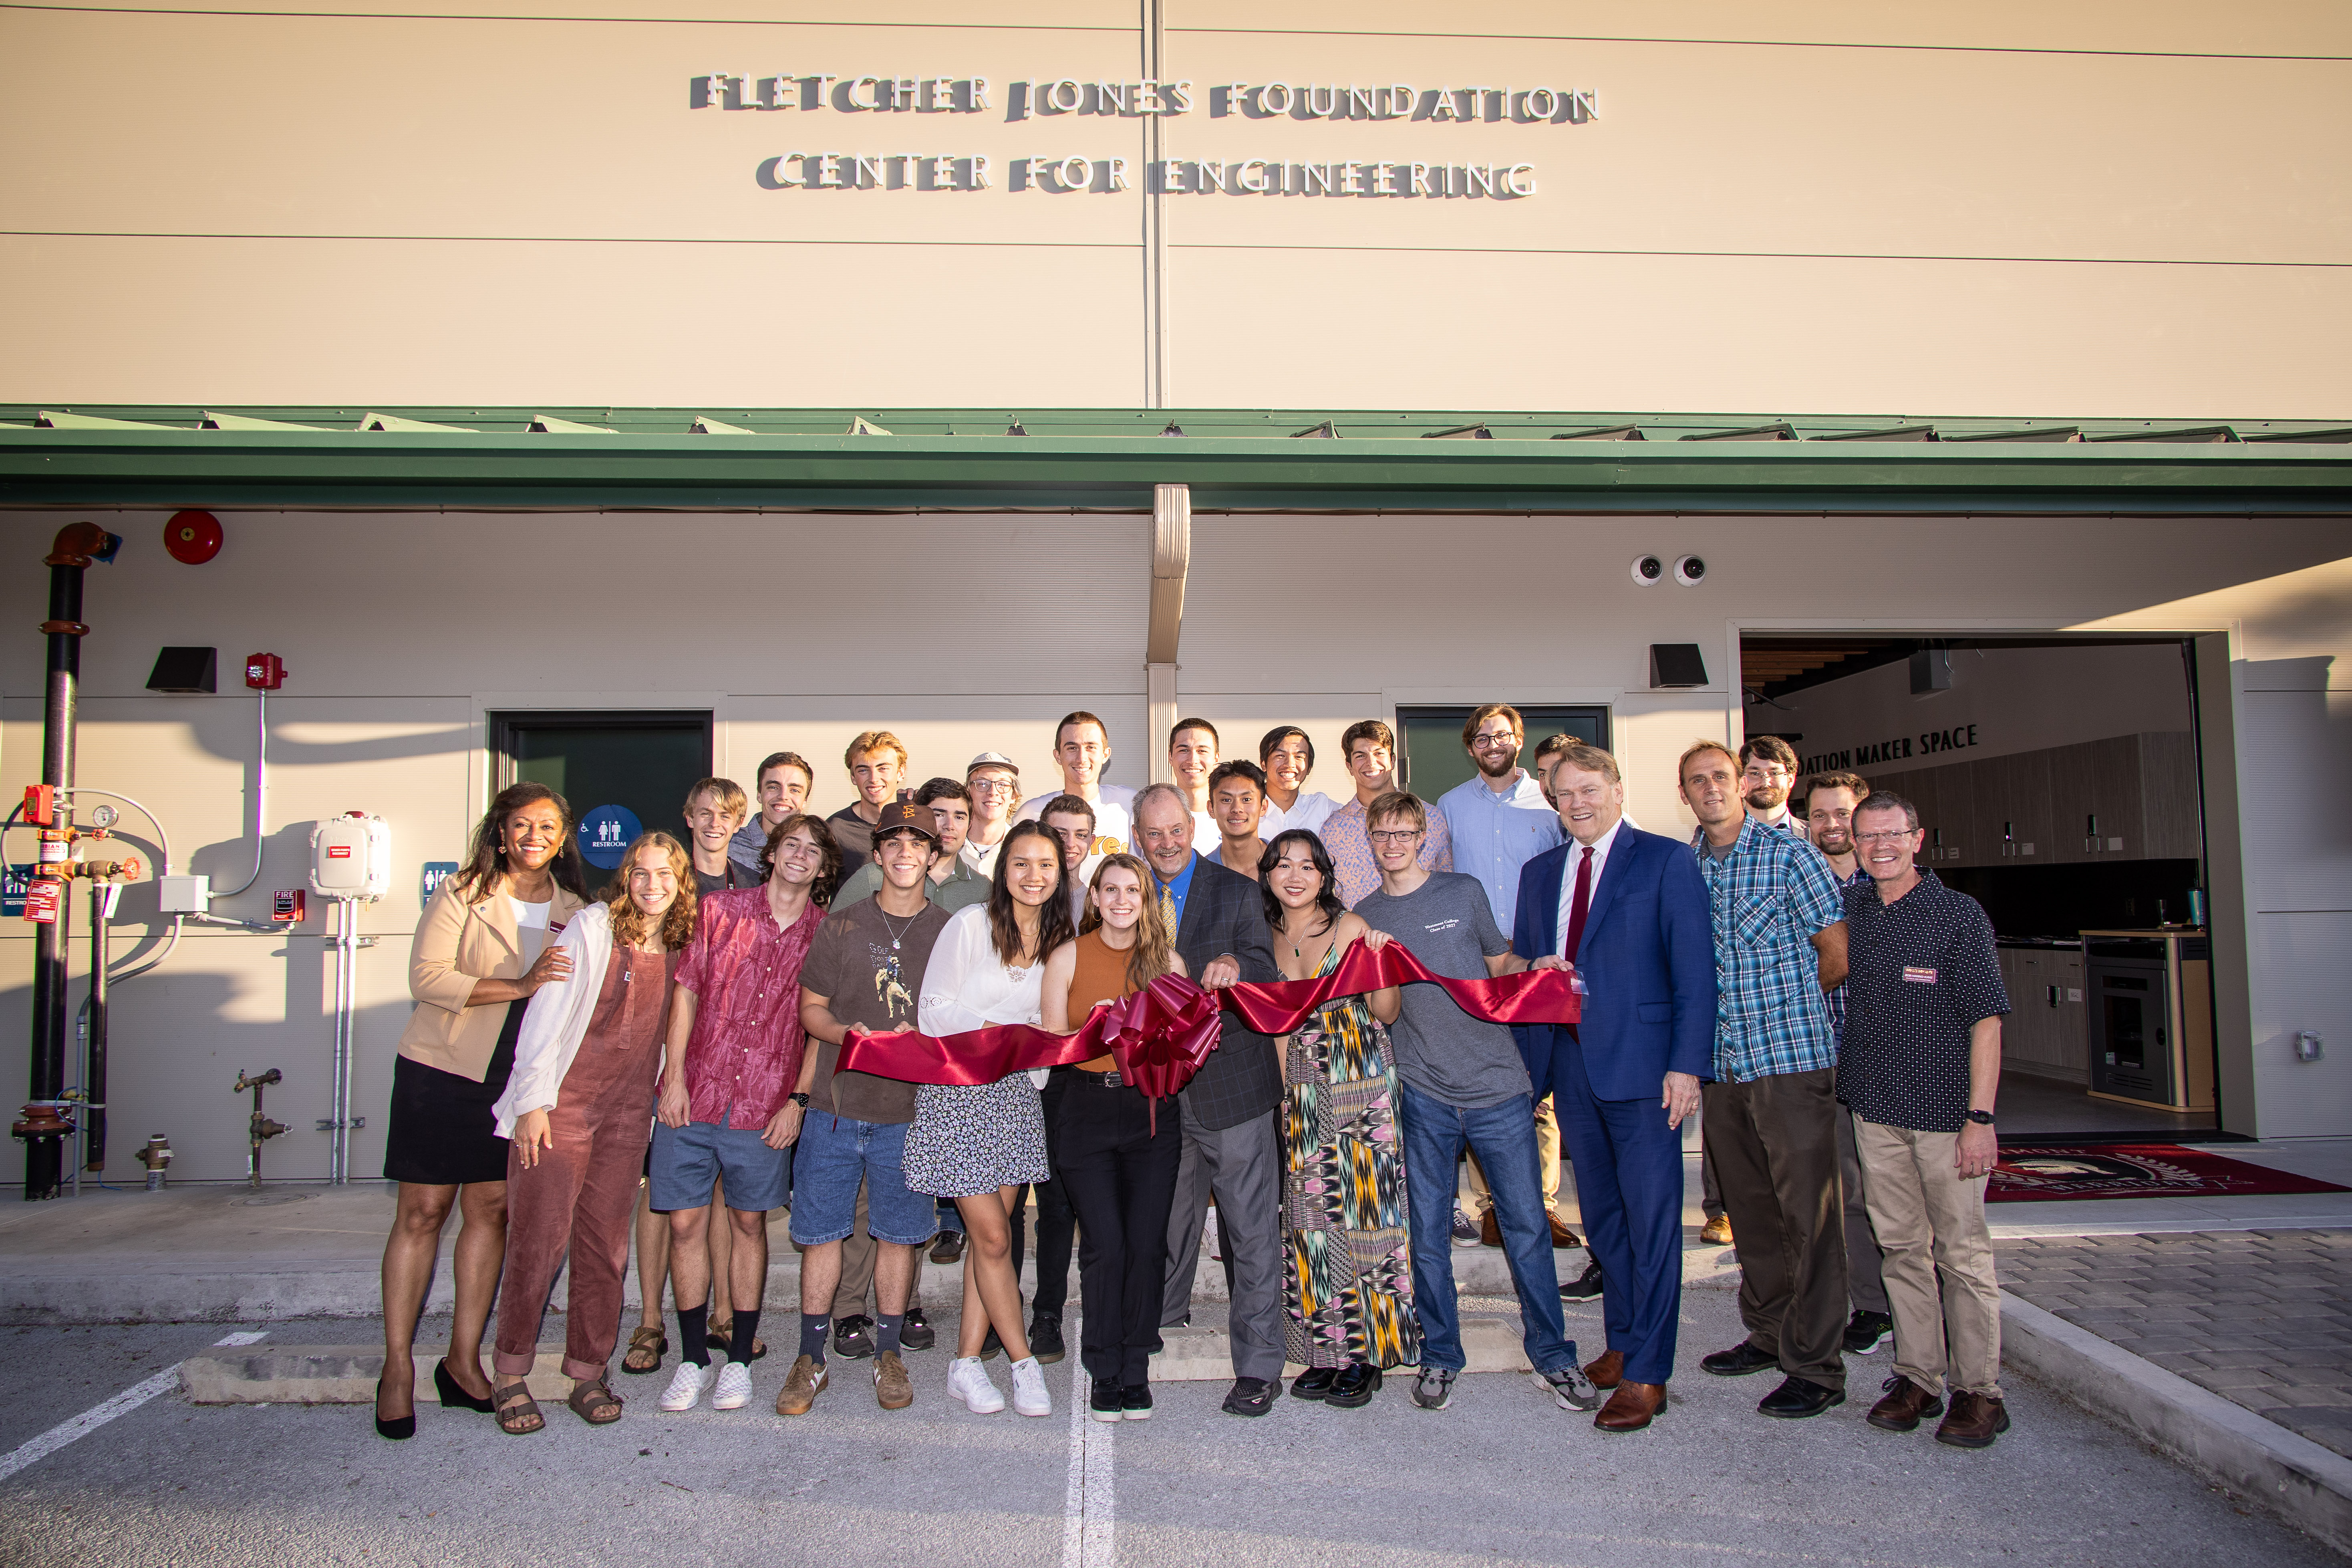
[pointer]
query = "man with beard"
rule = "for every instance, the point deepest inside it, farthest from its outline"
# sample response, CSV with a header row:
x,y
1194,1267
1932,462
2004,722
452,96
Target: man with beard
x,y
1768,771
1830,804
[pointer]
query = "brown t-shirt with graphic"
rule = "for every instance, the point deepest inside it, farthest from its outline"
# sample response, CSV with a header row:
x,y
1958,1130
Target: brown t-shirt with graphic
x,y
869,966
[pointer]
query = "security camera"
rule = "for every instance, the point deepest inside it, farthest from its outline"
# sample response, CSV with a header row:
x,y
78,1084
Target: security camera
x,y
1648,569
1689,569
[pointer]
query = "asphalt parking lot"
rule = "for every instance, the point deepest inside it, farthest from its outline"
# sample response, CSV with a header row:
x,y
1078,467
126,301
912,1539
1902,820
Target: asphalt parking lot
x,y
1501,1476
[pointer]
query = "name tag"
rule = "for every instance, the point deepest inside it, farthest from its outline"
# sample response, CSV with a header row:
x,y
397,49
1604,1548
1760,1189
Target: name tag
x,y
1919,975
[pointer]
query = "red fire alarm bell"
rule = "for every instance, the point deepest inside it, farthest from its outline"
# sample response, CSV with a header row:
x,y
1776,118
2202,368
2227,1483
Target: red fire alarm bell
x,y
285,906
264,672
192,538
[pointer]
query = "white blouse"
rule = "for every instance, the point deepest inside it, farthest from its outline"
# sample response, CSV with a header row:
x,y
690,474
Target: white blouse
x,y
967,986
1308,811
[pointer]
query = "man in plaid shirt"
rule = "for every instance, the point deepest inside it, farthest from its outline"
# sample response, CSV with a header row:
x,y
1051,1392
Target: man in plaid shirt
x,y
1771,1113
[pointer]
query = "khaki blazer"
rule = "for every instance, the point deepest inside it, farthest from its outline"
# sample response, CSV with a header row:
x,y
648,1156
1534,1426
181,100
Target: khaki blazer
x,y
458,942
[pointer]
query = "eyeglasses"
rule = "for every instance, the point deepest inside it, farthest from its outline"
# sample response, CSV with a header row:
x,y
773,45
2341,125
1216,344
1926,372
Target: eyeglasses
x,y
1400,836
1892,838
1485,741
991,786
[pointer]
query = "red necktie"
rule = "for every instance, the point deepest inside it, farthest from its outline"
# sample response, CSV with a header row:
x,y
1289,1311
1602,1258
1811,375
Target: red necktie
x,y
1578,908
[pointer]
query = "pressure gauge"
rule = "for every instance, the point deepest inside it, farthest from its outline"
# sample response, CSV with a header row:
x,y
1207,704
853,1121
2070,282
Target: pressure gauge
x,y
104,816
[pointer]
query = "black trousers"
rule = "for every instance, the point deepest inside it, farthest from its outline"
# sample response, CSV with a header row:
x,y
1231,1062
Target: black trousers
x,y
1057,1223
1120,1179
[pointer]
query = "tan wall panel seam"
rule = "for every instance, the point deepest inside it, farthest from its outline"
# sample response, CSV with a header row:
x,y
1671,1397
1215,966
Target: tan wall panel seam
x,y
1754,43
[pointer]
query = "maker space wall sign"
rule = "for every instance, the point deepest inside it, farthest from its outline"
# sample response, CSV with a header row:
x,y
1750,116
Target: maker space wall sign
x,y
1437,177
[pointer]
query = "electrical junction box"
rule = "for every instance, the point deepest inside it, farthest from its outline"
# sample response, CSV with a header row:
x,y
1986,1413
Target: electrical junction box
x,y
184,895
351,858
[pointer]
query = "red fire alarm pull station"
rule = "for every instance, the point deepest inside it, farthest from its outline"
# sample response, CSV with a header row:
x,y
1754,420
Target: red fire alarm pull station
x,y
264,672
285,906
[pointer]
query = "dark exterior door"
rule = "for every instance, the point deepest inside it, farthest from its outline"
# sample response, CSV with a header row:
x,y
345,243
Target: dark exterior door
x,y
622,773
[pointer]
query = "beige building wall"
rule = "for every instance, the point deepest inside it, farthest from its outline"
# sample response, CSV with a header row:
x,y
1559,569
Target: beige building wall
x,y
401,631
2102,209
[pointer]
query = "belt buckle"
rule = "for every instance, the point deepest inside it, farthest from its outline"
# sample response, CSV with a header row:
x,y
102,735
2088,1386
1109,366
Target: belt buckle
x,y
1112,1080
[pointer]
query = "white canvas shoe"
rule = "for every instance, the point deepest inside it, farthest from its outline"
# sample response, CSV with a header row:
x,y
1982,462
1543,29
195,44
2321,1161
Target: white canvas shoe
x,y
1029,1394
686,1386
969,1381
734,1390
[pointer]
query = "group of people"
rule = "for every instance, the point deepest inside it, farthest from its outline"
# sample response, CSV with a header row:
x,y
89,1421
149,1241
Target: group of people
x,y
1825,1007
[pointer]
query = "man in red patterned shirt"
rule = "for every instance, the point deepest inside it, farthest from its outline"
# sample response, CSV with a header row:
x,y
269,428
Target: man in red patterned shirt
x,y
727,1107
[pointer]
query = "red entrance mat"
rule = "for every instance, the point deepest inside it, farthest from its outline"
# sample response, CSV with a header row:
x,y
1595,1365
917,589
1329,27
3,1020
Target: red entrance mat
x,y
2059,1172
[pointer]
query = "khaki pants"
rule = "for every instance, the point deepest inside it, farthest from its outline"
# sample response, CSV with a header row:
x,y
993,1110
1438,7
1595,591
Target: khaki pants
x,y
1930,1223
1547,1161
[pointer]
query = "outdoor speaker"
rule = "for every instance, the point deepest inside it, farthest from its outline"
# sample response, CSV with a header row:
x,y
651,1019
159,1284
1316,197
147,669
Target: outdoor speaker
x,y
1675,666
186,670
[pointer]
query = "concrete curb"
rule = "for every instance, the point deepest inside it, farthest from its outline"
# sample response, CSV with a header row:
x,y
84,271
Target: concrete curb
x,y
2295,1478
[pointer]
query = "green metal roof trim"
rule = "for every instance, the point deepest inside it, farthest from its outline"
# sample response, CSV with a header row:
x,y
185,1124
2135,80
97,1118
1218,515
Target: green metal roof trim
x,y
1106,460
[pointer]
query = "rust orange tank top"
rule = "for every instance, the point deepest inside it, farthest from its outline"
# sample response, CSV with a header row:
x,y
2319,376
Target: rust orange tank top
x,y
1100,977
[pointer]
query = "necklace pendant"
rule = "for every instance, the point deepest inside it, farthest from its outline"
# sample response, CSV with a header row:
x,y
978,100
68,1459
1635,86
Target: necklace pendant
x,y
894,944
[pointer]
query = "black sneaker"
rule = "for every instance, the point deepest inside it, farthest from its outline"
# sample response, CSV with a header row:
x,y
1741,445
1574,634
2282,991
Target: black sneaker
x,y
1250,1396
1135,1402
1045,1337
1865,1331
854,1336
1108,1402
947,1248
990,1347
917,1333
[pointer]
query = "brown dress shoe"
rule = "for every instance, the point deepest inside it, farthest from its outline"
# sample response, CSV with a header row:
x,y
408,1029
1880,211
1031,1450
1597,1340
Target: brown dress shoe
x,y
1905,1405
1717,1232
1490,1230
1633,1406
1975,1421
1606,1370
1561,1236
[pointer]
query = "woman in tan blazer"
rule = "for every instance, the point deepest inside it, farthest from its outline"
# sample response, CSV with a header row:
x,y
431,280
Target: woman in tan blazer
x,y
484,946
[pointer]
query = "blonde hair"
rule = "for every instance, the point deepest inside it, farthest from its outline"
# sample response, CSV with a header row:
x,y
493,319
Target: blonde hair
x,y
628,921
1155,944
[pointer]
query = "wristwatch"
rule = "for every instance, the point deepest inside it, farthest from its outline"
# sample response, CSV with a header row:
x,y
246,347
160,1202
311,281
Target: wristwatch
x,y
1981,1117
802,1100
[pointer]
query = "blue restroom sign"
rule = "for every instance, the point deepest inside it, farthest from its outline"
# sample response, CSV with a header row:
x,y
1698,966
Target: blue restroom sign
x,y
606,834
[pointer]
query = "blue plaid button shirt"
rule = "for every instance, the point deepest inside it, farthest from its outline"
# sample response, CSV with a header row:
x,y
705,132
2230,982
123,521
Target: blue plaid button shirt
x,y
1766,899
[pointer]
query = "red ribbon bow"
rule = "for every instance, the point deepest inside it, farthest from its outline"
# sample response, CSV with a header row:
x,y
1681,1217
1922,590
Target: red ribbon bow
x,y
1160,1036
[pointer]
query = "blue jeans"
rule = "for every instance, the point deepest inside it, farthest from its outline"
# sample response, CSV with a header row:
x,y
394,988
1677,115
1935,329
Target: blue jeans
x,y
1504,1138
836,1156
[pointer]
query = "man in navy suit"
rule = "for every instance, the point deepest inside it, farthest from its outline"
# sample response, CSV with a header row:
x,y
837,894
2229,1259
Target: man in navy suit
x,y
1629,910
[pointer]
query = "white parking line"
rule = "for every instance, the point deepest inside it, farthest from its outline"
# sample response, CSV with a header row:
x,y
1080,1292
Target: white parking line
x,y
1090,1504
90,1420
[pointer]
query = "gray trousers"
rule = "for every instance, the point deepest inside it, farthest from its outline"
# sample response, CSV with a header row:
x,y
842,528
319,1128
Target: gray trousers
x,y
1242,1165
1865,1285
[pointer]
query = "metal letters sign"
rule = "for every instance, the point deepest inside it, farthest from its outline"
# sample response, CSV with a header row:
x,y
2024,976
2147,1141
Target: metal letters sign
x,y
1436,177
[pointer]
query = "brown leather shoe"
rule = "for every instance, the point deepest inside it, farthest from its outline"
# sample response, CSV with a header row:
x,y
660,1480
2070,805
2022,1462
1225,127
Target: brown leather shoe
x,y
1606,1370
1633,1406
1561,1236
1975,1421
1490,1230
892,1388
1717,1232
1905,1405
802,1385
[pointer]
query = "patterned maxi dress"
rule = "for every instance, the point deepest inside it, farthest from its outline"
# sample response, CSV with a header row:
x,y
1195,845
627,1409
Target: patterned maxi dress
x,y
1347,1295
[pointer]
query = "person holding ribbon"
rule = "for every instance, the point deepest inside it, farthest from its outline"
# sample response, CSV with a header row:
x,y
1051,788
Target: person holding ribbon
x,y
1116,1160
1347,1294
978,1143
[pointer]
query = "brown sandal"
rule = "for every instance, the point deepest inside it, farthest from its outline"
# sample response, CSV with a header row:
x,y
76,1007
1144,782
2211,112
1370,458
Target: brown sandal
x,y
517,1412
596,1404
647,1345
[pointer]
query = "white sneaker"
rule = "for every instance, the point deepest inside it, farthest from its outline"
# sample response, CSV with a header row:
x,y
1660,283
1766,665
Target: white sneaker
x,y
1029,1395
969,1381
734,1390
685,1390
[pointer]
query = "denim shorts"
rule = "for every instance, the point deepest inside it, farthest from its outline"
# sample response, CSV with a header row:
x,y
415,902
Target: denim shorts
x,y
686,1160
833,1155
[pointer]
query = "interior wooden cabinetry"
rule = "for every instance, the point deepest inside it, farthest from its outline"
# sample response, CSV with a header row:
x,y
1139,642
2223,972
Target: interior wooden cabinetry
x,y
2037,808
2047,1032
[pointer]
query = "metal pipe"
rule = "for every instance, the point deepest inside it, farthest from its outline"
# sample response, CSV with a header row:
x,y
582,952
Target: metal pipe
x,y
93,1087
259,1129
67,559
260,788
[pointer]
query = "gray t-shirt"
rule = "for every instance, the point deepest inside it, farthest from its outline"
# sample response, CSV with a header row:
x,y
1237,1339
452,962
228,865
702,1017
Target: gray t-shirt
x,y
1441,1050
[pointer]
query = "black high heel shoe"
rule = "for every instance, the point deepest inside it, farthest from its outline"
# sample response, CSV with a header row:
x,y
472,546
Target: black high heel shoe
x,y
453,1394
400,1429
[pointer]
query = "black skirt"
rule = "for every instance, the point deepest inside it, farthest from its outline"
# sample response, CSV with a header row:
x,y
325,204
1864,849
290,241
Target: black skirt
x,y
443,1132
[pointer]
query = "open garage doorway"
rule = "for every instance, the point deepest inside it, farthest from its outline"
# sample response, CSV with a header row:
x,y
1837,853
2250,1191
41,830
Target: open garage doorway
x,y
2057,781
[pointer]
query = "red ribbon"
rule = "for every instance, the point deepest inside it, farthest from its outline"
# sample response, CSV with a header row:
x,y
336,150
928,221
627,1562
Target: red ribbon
x,y
1160,1036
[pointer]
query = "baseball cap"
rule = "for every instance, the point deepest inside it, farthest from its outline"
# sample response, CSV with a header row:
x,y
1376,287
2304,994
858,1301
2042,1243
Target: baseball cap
x,y
991,760
903,814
